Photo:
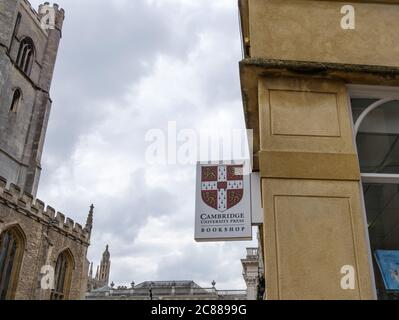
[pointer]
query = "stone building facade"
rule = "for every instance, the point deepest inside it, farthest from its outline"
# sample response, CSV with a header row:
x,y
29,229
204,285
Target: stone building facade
x,y
320,88
42,253
27,57
253,273
43,239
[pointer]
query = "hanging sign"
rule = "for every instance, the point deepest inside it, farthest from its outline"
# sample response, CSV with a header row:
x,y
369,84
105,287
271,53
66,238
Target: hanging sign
x,y
223,203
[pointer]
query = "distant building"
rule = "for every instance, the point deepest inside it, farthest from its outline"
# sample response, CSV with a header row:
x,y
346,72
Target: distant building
x,y
99,289
102,275
253,274
165,290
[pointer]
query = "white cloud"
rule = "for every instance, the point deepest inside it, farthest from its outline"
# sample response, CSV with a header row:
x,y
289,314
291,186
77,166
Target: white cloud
x,y
148,63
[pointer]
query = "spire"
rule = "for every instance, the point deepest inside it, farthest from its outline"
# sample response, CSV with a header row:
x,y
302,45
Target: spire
x,y
89,221
105,267
106,254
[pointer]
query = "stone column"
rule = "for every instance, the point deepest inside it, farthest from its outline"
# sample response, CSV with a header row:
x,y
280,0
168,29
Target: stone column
x,y
252,288
299,60
314,222
250,267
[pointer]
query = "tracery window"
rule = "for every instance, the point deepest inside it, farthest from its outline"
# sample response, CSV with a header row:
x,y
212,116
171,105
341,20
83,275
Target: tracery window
x,y
11,253
62,278
26,55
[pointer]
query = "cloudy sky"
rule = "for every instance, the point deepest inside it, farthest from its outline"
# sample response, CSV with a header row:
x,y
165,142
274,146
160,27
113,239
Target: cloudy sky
x,y
126,67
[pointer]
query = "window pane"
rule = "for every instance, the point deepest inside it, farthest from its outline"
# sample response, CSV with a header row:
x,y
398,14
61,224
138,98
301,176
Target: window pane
x,y
4,242
359,105
382,203
382,206
378,150
8,247
61,276
378,137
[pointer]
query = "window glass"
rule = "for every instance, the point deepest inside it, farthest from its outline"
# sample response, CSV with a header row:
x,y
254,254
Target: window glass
x,y
8,250
26,55
378,150
378,138
359,105
62,275
15,100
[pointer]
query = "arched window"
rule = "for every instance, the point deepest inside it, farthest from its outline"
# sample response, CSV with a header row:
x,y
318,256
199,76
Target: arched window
x,y
26,55
16,98
376,117
63,275
12,245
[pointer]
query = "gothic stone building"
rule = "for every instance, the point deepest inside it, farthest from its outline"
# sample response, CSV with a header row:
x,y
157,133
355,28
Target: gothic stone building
x,y
42,254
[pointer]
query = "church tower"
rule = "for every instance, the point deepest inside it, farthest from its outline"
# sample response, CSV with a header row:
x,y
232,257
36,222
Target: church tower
x,y
105,267
29,41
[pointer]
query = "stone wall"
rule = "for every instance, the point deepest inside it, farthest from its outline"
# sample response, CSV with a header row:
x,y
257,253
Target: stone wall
x,y
308,30
298,64
23,132
43,229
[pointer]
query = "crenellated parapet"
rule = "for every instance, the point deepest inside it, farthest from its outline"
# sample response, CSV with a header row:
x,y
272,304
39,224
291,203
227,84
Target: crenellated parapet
x,y
13,197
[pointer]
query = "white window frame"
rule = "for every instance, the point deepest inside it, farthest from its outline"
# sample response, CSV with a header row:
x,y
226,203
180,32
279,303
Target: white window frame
x,y
384,95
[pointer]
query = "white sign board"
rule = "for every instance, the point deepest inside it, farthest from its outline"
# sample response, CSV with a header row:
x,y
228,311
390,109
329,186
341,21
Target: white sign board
x,y
223,203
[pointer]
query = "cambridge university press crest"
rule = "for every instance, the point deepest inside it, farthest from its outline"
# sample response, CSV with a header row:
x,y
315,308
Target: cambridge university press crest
x,y
222,186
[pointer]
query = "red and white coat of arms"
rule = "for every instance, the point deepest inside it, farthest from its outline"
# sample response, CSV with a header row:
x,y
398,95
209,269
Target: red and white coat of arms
x,y
222,187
